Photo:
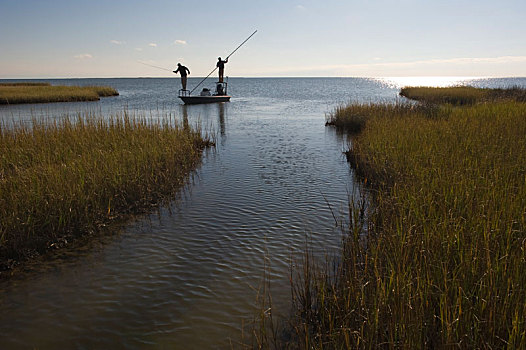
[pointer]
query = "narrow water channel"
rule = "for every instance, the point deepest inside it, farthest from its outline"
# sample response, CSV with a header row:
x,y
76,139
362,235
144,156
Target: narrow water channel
x,y
187,275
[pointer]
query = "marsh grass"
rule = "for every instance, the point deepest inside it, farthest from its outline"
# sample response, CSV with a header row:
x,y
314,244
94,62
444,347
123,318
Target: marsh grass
x,y
463,95
25,84
442,261
66,178
104,91
16,93
352,118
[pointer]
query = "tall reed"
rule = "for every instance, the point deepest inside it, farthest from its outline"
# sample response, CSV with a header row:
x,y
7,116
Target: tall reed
x,y
65,178
440,261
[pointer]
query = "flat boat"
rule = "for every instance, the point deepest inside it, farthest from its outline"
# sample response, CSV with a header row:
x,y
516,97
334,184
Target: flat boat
x,y
206,96
192,100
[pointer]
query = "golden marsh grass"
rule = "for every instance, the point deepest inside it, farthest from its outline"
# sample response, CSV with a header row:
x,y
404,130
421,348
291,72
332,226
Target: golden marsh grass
x,y
16,93
440,260
463,95
352,118
66,178
25,84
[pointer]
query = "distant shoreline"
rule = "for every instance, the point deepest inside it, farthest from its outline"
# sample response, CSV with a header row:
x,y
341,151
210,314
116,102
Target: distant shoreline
x,y
259,77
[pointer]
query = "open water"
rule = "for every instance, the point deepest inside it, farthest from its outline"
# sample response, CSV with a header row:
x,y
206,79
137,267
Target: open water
x,y
187,276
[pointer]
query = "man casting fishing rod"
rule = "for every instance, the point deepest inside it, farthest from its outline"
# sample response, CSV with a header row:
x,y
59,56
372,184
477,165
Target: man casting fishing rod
x,y
183,71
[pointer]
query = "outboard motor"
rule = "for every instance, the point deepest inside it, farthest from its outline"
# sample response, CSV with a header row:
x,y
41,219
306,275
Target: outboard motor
x,y
220,90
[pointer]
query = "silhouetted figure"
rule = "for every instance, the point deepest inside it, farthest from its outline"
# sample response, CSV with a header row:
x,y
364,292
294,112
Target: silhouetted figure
x,y
221,65
184,72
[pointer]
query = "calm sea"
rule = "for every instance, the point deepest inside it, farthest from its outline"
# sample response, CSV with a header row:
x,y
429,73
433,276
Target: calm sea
x,y
187,276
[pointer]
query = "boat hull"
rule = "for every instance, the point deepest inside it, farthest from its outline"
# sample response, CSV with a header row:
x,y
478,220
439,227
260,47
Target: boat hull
x,y
192,100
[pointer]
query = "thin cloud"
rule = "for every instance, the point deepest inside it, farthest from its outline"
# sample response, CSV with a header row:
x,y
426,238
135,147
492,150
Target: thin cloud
x,y
138,49
152,44
300,7
83,56
117,42
462,60
500,60
180,42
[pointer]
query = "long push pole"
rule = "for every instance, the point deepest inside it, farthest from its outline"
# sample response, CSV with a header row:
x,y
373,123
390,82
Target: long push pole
x,y
251,35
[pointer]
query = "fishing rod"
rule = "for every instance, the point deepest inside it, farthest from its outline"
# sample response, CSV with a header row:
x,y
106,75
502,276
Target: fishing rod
x,y
151,65
251,35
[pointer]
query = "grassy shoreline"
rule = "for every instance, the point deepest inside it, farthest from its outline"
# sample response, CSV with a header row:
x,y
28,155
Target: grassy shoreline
x,y
462,95
441,259
64,179
18,93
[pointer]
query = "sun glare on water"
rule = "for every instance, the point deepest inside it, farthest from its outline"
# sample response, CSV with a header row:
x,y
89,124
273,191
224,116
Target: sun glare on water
x,y
400,82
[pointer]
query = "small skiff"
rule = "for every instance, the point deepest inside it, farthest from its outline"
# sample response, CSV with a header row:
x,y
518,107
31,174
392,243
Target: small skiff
x,y
206,95
192,100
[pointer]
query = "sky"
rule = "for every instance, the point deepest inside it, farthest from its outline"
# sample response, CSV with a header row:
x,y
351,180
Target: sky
x,y
302,38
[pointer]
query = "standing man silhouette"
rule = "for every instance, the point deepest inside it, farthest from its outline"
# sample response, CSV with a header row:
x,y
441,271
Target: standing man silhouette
x,y
183,71
221,65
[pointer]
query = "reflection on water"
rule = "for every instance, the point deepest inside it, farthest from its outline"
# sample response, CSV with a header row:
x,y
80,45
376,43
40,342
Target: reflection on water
x,y
400,82
187,276
185,116
222,120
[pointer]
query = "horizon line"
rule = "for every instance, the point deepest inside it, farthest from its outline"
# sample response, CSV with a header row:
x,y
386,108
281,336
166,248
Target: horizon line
x,y
277,77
